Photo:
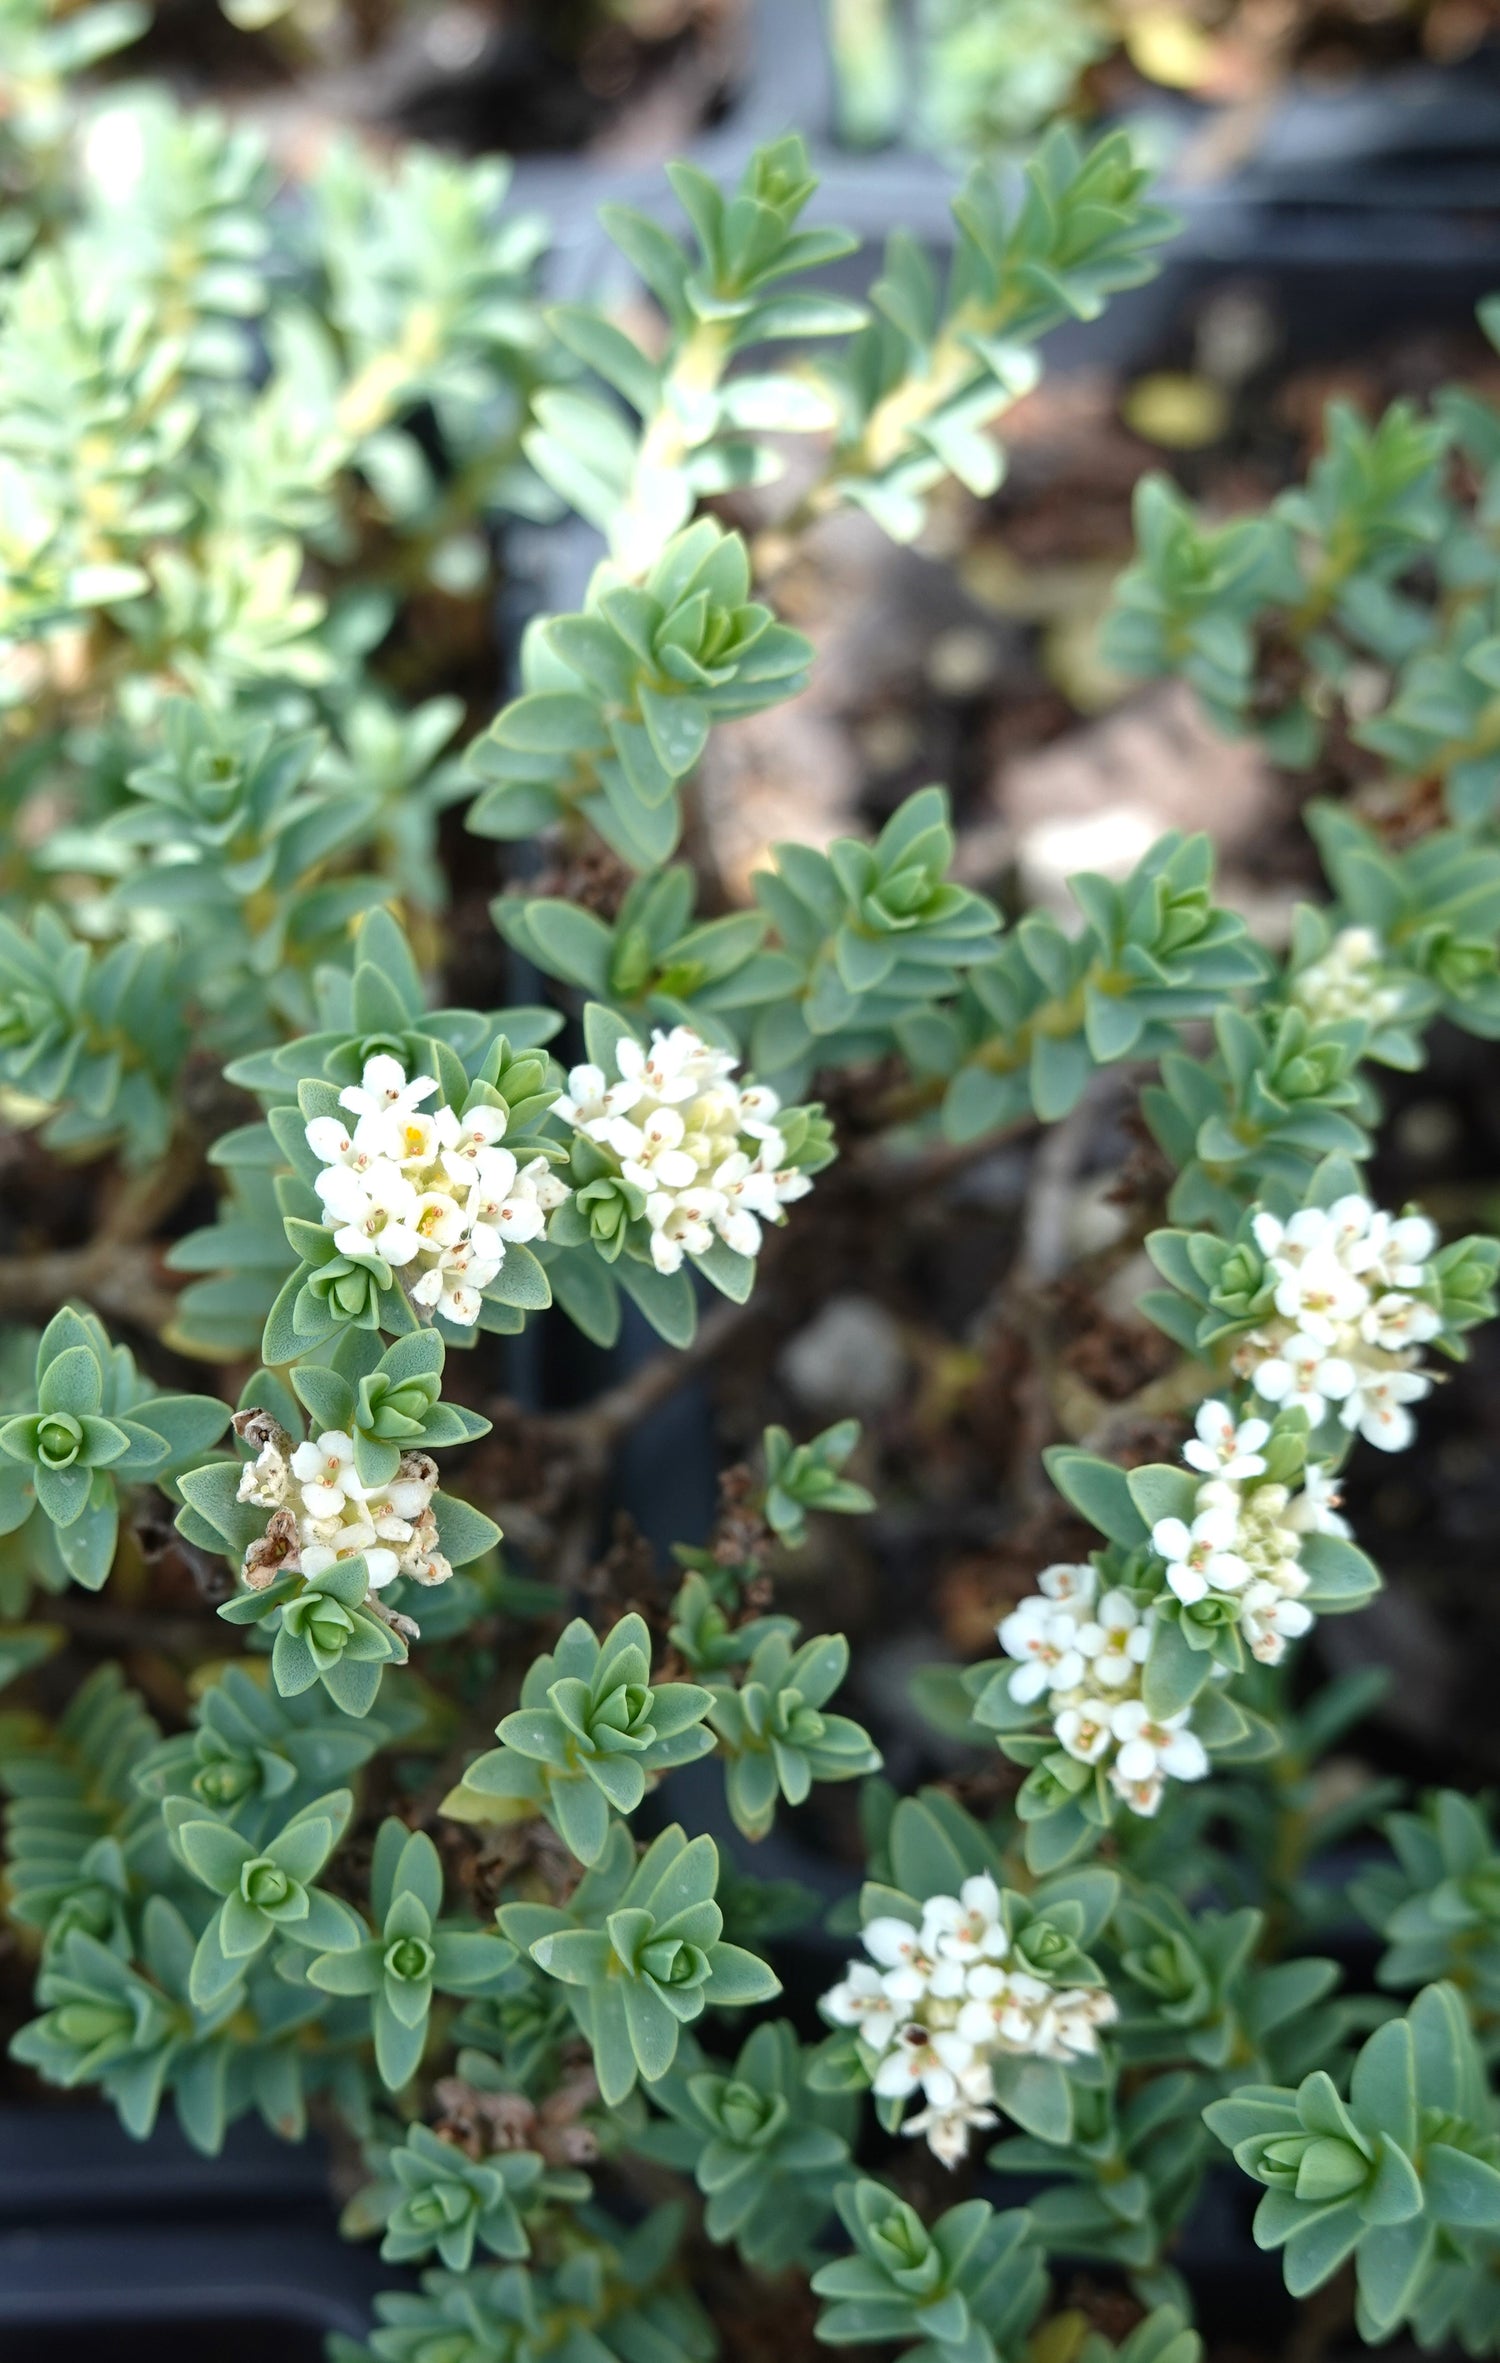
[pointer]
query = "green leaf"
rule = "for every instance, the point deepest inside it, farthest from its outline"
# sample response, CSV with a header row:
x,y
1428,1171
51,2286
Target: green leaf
x,y
1100,1492
1461,2190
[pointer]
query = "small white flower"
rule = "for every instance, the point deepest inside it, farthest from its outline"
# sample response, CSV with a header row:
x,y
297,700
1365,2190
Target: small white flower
x,y
1376,1407
1147,1747
1045,1639
463,1140
332,1143
438,1219
1142,1796
324,1468
788,1182
591,1101
681,1226
997,2011
1072,2021
1346,982
1315,1509
757,1109
460,1301
434,1195
932,2058
1395,1321
381,1566
948,2129
1306,1374
384,1091
652,1152
965,1927
266,1479
375,1211
861,2001
1201,1558
1115,1641
411,1138
895,1944
1225,1448
540,1182
1318,1295
506,1206
1085,1730
1269,1619
1410,1243
707,1157
1069,1581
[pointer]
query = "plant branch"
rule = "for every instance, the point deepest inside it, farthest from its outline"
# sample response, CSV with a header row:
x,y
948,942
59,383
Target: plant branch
x,y
118,1277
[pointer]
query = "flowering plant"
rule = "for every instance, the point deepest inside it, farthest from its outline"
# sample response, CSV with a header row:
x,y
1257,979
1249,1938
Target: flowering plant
x,y
422,1850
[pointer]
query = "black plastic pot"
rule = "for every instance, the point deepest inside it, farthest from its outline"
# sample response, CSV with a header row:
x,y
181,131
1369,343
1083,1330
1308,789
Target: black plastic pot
x,y
1384,191
149,2253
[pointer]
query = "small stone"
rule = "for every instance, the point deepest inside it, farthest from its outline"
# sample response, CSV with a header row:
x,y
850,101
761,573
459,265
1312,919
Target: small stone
x,y
849,1358
961,661
1428,1131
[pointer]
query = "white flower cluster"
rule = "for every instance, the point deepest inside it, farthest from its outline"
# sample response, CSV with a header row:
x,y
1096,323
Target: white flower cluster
x,y
322,1513
1347,983
1243,1546
1083,1654
934,2005
434,1194
1350,1317
708,1158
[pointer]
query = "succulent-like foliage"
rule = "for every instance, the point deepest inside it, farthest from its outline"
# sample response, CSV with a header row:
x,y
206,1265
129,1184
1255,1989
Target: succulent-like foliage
x,y
775,1734
764,2149
1437,1903
388,1403
105,2022
411,1955
590,1729
614,2289
969,2285
92,1425
1410,2159
1329,577
251,458
439,2202
266,1893
803,1477
619,700
640,1950
252,1748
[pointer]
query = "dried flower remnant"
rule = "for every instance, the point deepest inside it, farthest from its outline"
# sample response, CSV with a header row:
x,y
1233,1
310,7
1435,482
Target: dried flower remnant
x,y
320,1512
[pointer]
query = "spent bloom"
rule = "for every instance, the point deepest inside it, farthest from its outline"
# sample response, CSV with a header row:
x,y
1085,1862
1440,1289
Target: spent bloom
x,y
1352,1286
936,2002
320,1512
1082,1652
704,1153
430,1192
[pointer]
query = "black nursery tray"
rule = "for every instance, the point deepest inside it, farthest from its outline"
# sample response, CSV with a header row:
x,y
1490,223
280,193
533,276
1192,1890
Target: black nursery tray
x,y
149,2253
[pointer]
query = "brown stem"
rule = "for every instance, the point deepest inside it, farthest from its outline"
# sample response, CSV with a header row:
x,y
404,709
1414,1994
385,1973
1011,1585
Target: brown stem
x,y
112,1631
598,1427
145,1201
117,1277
